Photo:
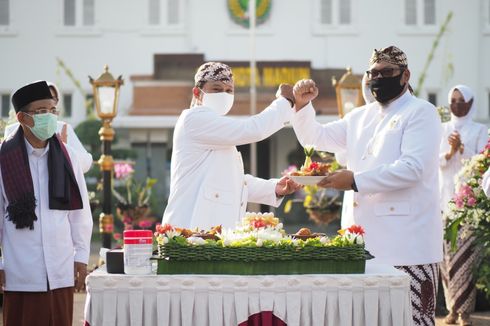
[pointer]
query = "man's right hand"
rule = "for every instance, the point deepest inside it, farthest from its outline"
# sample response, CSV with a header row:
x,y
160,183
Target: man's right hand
x,y
304,91
2,280
286,91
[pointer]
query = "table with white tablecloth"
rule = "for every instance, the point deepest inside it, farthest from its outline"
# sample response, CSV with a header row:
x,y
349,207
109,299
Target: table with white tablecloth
x,y
379,297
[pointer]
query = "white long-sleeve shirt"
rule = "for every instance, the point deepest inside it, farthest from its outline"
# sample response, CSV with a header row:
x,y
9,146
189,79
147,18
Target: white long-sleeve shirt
x,y
208,185
474,136
84,157
393,152
32,258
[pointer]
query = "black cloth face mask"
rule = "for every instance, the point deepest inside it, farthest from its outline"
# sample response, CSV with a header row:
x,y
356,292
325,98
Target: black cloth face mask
x,y
387,88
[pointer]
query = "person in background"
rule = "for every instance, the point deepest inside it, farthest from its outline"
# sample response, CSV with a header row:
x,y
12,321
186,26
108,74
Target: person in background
x,y
462,138
392,150
208,186
68,135
46,222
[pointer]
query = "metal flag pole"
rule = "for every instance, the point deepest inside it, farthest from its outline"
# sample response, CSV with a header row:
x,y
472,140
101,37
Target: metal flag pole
x,y
253,88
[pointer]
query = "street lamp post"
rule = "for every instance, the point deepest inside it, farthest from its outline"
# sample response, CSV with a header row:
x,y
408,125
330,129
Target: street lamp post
x,y
348,91
106,97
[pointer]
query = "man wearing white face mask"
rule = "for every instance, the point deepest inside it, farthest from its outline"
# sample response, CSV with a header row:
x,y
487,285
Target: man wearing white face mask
x,y
208,185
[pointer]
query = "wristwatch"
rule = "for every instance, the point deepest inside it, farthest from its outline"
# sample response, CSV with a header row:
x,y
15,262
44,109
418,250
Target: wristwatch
x,y
353,185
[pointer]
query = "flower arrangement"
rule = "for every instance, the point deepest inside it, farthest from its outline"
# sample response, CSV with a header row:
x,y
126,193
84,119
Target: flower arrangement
x,y
259,248
251,235
469,211
133,202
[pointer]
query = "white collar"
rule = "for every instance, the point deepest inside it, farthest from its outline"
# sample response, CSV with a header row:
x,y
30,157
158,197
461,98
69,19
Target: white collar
x,y
38,152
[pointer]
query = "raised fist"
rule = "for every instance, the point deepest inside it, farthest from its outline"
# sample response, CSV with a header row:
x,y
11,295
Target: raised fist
x,y
286,91
304,91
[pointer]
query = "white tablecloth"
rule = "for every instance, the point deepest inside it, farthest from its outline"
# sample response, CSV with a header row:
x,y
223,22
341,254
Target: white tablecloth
x,y
380,297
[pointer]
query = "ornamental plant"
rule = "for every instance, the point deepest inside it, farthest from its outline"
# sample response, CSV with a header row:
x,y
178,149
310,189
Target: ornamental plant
x,y
469,211
132,197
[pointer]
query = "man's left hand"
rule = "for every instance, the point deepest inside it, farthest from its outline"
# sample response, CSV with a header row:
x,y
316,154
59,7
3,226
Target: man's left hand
x,y
80,275
341,180
286,186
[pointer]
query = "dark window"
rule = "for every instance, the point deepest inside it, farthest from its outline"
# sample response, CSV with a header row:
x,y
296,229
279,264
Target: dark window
x,y
5,105
432,98
344,6
4,13
67,105
89,103
410,12
154,6
429,12
88,12
326,12
173,12
69,12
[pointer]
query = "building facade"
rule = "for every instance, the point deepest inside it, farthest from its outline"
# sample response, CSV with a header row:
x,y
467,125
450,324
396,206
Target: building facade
x,y
157,44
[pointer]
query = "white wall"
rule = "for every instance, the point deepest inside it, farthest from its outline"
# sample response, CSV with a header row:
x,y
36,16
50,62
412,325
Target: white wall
x,y
122,39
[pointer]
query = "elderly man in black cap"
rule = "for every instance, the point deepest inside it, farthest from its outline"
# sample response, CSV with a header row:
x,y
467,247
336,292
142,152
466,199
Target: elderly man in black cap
x,y
46,221
392,156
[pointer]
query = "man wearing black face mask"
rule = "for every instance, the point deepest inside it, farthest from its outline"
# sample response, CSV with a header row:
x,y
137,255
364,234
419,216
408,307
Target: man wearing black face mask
x,y
392,158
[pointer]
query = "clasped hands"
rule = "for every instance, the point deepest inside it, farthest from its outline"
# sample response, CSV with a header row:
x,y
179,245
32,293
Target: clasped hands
x,y
455,143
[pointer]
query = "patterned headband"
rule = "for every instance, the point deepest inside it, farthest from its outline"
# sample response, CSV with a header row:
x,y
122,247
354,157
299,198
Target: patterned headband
x,y
213,71
391,54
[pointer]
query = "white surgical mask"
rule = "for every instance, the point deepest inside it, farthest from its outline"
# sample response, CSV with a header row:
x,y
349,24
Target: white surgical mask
x,y
221,103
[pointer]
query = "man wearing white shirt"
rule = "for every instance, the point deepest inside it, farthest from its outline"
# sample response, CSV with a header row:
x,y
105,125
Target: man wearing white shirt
x,y
46,223
392,148
208,186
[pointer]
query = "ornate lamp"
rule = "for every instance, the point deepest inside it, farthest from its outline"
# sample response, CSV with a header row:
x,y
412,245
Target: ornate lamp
x,y
106,98
348,91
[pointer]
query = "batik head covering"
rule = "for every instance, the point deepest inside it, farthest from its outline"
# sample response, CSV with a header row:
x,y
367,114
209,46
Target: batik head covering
x,y
468,95
390,54
213,71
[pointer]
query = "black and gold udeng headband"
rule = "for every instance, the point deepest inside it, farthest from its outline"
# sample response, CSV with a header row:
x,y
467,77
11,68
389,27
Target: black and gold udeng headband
x,y
213,71
390,54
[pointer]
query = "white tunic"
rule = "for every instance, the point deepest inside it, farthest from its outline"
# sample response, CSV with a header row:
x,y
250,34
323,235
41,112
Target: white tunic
x,y
486,183
474,136
393,153
31,258
84,157
208,186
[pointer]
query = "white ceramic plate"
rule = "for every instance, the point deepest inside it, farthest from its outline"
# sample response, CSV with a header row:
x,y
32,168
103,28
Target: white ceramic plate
x,y
307,180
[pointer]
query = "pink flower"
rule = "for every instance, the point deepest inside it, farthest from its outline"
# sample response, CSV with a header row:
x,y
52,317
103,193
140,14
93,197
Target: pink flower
x,y
117,236
122,170
471,201
466,190
145,224
459,203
